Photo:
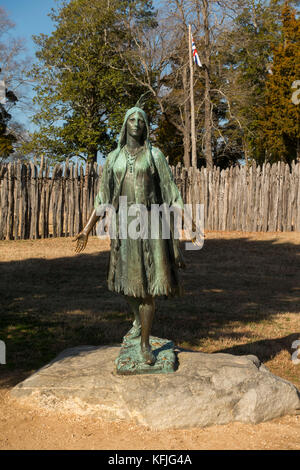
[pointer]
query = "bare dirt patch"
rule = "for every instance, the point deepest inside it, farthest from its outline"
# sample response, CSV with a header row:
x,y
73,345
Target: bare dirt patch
x,y
242,297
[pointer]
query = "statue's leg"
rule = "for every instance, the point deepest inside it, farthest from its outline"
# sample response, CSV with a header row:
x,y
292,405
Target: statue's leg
x,y
146,310
134,304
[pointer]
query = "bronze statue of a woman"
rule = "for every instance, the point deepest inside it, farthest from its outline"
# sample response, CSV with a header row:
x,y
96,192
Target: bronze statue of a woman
x,y
142,268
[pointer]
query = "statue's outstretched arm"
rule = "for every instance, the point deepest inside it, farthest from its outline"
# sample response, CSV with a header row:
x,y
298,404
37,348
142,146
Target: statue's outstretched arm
x,y
82,237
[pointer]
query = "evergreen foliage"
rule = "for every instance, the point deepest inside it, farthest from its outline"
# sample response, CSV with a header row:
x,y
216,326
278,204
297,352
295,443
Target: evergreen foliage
x,y
82,90
280,121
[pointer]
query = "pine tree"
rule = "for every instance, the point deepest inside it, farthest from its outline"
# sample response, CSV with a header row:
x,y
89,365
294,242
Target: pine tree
x,y
280,118
245,55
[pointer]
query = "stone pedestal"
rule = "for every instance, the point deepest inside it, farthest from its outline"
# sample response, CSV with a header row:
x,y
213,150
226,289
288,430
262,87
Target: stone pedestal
x,y
205,389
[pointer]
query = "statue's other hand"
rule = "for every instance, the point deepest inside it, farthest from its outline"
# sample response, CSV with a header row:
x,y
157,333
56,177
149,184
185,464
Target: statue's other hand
x,y
81,239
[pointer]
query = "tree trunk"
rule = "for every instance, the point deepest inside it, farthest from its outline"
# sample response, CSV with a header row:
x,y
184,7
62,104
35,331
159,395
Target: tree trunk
x,y
92,154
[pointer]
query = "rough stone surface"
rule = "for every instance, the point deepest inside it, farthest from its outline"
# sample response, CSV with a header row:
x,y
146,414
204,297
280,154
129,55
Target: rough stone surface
x,y
206,389
130,362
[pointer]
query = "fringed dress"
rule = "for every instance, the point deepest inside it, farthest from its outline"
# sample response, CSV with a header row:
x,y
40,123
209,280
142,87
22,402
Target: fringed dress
x,y
143,266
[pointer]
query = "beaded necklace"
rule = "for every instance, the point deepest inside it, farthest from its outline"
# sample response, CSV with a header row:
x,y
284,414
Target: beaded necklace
x,y
131,156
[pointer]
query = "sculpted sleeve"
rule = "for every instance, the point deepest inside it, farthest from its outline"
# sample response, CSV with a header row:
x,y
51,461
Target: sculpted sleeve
x,y
171,196
103,196
170,193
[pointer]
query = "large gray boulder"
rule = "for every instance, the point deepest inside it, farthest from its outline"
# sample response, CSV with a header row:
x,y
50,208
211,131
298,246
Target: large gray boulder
x,y
206,389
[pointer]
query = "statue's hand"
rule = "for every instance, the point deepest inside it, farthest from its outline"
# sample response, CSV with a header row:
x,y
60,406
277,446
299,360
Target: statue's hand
x,y
81,239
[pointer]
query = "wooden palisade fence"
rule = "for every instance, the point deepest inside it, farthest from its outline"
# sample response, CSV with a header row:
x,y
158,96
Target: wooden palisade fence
x,y
39,201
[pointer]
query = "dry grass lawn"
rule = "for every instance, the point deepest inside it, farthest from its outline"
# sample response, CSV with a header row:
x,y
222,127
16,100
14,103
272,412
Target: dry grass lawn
x,y
242,297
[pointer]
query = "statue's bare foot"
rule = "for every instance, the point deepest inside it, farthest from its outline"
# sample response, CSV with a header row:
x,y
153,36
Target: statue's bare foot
x,y
134,332
148,355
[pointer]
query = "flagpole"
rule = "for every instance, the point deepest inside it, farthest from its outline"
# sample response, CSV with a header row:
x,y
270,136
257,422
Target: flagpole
x,y
193,129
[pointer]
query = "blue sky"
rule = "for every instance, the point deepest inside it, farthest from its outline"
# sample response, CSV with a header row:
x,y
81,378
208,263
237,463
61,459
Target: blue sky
x,y
30,17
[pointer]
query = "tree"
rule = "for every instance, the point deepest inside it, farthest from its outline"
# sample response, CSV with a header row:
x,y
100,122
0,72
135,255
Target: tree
x,y
7,139
245,69
82,90
169,51
13,76
170,140
234,41
280,116
164,74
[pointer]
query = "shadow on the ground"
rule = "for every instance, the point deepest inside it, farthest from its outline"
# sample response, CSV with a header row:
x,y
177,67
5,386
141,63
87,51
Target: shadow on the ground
x,y
51,304
265,349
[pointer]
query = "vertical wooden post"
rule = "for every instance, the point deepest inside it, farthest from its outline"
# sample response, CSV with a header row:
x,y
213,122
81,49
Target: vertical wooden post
x,y
4,203
71,200
61,204
67,197
56,182
40,222
28,201
23,202
81,200
17,197
10,214
76,201
86,194
31,201
48,188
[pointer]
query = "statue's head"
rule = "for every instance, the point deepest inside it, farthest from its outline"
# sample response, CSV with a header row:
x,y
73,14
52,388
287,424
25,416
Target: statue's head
x,y
136,125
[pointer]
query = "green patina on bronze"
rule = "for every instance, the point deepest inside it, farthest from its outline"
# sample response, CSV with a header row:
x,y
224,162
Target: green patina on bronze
x,y
146,267
130,361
